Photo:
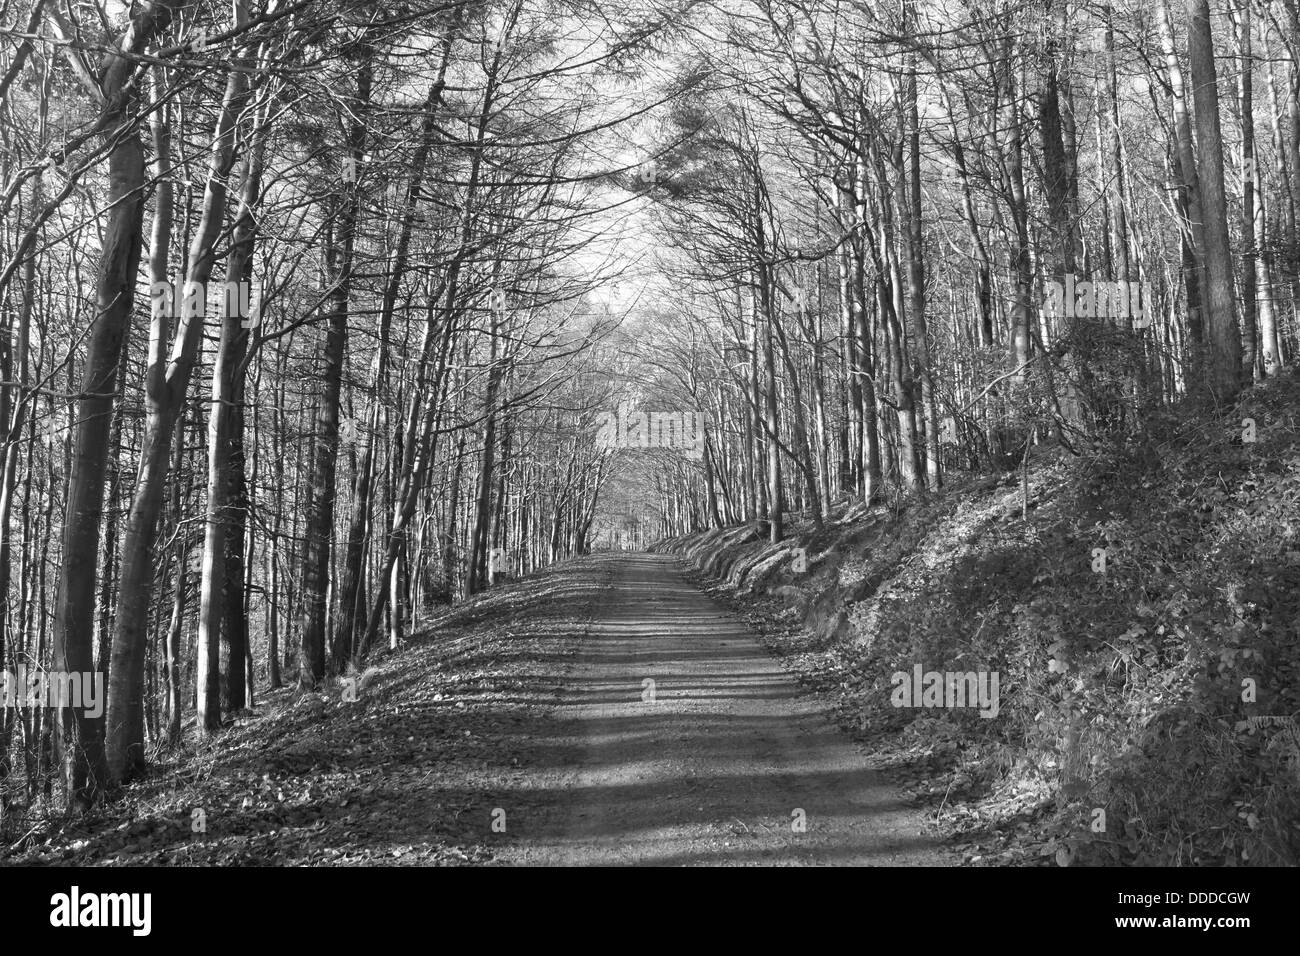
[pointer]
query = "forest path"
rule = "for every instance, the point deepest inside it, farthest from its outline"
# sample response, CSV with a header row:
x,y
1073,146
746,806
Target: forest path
x,y
514,731
711,770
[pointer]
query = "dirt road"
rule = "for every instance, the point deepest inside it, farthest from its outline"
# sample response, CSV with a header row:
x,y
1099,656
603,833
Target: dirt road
x,y
679,740
524,729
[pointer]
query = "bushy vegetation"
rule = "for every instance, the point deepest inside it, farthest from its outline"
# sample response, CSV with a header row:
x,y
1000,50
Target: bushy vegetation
x,y
1147,710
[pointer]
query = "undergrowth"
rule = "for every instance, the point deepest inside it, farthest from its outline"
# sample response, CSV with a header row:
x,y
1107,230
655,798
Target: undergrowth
x,y
1148,704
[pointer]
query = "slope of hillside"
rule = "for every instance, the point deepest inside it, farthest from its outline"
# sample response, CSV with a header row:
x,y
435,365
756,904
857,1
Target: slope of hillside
x,y
1139,608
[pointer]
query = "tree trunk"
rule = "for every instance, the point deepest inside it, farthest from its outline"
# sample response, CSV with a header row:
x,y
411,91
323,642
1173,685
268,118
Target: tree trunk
x,y
1225,378
81,736
320,508
166,392
222,621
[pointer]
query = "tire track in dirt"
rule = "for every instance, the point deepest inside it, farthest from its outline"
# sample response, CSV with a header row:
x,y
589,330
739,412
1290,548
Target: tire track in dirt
x,y
715,768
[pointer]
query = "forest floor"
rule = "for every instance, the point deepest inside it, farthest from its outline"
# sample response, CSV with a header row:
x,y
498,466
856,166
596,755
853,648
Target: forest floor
x,y
605,712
